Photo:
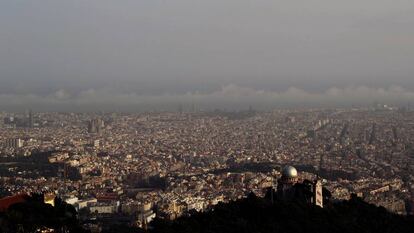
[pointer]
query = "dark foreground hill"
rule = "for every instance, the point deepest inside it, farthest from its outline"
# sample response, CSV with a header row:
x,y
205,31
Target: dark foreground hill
x,y
255,214
24,213
249,215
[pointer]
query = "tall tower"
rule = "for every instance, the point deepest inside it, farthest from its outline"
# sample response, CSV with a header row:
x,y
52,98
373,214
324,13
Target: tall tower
x,y
96,125
31,119
317,193
92,126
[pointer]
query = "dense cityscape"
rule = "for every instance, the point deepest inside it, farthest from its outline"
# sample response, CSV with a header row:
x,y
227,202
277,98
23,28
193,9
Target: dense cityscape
x,y
125,167
234,116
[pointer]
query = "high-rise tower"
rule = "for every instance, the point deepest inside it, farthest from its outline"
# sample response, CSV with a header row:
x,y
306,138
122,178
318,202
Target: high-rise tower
x,y
96,125
31,119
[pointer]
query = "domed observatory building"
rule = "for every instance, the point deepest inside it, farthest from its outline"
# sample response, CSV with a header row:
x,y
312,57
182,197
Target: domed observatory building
x,y
289,175
288,188
286,182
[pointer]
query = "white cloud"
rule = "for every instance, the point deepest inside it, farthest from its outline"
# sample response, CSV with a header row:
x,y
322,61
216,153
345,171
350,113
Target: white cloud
x,y
61,94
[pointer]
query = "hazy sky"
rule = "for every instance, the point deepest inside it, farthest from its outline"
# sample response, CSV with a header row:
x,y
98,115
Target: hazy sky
x,y
75,53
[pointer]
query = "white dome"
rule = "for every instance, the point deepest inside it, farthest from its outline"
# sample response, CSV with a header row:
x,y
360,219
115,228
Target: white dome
x,y
289,172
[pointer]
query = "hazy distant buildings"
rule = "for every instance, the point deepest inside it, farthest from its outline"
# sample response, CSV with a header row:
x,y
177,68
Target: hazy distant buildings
x,y
12,121
9,120
96,125
30,122
21,121
14,143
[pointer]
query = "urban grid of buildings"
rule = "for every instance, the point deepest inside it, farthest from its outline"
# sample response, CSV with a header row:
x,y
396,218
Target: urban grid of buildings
x,y
133,167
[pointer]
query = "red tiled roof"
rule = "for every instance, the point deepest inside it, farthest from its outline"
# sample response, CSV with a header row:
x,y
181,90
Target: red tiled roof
x,y
6,202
